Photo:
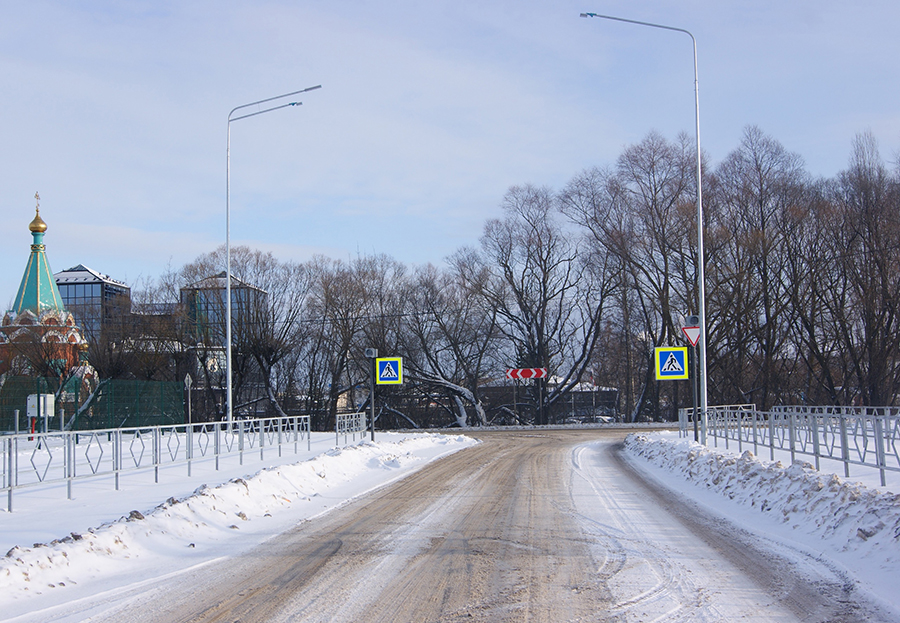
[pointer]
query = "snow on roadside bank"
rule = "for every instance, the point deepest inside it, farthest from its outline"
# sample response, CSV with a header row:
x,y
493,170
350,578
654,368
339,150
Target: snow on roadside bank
x,y
214,521
846,521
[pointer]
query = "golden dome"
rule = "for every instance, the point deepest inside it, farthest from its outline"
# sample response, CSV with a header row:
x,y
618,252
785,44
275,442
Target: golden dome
x,y
38,224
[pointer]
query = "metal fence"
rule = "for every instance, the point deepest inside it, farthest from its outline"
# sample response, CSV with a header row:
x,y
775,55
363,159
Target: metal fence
x,y
30,460
865,436
349,424
117,403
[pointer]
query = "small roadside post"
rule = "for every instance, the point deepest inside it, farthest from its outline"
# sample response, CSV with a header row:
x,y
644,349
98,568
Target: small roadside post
x,y
671,363
190,429
40,406
388,371
528,373
691,331
188,381
372,355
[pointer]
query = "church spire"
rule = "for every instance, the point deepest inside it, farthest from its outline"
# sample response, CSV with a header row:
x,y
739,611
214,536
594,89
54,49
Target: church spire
x,y
38,224
38,291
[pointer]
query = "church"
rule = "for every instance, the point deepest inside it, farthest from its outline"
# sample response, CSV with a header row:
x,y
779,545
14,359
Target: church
x,y
39,337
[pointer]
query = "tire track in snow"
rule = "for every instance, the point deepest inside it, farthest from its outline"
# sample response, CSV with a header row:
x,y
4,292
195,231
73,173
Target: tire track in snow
x,y
645,585
809,588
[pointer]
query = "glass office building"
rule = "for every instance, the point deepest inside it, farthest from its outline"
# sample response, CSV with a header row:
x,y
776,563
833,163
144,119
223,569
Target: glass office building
x,y
204,306
93,298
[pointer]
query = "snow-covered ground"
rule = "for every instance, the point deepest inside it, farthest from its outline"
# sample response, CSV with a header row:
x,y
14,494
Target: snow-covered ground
x,y
851,524
65,549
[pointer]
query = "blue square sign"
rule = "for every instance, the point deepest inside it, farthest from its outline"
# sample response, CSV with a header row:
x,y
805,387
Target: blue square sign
x,y
671,363
389,371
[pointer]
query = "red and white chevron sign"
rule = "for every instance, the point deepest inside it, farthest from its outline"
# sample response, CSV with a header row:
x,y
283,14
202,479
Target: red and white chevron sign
x,y
526,373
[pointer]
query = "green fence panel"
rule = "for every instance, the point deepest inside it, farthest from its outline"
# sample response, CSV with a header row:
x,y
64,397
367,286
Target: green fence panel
x,y
118,403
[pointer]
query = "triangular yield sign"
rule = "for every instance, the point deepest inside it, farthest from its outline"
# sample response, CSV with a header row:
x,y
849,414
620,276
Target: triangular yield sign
x,y
692,334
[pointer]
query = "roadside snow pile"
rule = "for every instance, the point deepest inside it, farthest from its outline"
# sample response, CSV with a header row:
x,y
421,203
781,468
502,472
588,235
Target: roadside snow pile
x,y
219,520
849,515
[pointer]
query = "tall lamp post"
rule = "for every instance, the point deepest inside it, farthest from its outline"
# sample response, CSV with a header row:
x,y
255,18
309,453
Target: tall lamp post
x,y
230,405
701,280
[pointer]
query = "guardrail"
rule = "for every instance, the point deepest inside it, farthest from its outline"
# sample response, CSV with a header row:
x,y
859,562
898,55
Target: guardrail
x,y
348,424
34,459
865,436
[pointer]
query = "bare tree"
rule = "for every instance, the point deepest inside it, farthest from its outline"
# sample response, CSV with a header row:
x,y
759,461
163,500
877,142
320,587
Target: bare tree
x,y
337,313
863,300
274,330
811,268
548,301
640,220
747,272
593,201
202,284
449,339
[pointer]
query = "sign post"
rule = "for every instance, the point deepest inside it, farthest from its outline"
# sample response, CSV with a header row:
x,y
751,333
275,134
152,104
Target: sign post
x,y
188,382
531,373
671,363
372,354
385,371
692,332
189,431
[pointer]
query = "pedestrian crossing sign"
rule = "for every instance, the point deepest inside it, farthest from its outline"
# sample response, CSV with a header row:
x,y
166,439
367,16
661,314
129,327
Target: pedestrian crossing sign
x,y
389,371
671,363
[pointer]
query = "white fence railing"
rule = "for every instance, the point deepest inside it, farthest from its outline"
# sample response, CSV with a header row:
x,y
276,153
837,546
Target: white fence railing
x,y
34,459
349,424
866,436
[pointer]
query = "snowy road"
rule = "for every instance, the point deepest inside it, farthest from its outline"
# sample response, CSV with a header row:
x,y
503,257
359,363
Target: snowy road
x,y
664,558
537,526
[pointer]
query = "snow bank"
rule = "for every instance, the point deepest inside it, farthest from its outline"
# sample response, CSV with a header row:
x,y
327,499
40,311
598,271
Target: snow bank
x,y
216,521
847,521
847,512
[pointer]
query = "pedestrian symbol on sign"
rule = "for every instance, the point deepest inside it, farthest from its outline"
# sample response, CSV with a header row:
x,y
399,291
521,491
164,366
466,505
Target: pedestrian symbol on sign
x,y
389,371
671,363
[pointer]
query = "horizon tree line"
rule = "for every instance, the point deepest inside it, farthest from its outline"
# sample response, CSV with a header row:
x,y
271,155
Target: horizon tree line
x,y
802,282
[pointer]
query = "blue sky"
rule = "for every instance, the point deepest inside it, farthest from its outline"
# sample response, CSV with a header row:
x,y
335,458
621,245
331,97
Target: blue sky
x,y
116,112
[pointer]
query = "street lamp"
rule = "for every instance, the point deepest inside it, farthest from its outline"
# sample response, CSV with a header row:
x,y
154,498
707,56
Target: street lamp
x,y
230,407
701,280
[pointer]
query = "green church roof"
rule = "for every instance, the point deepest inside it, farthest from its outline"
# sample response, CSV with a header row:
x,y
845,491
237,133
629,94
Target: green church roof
x,y
38,291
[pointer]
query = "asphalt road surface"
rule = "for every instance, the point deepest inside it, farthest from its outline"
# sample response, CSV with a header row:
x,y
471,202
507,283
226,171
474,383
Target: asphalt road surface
x,y
526,526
